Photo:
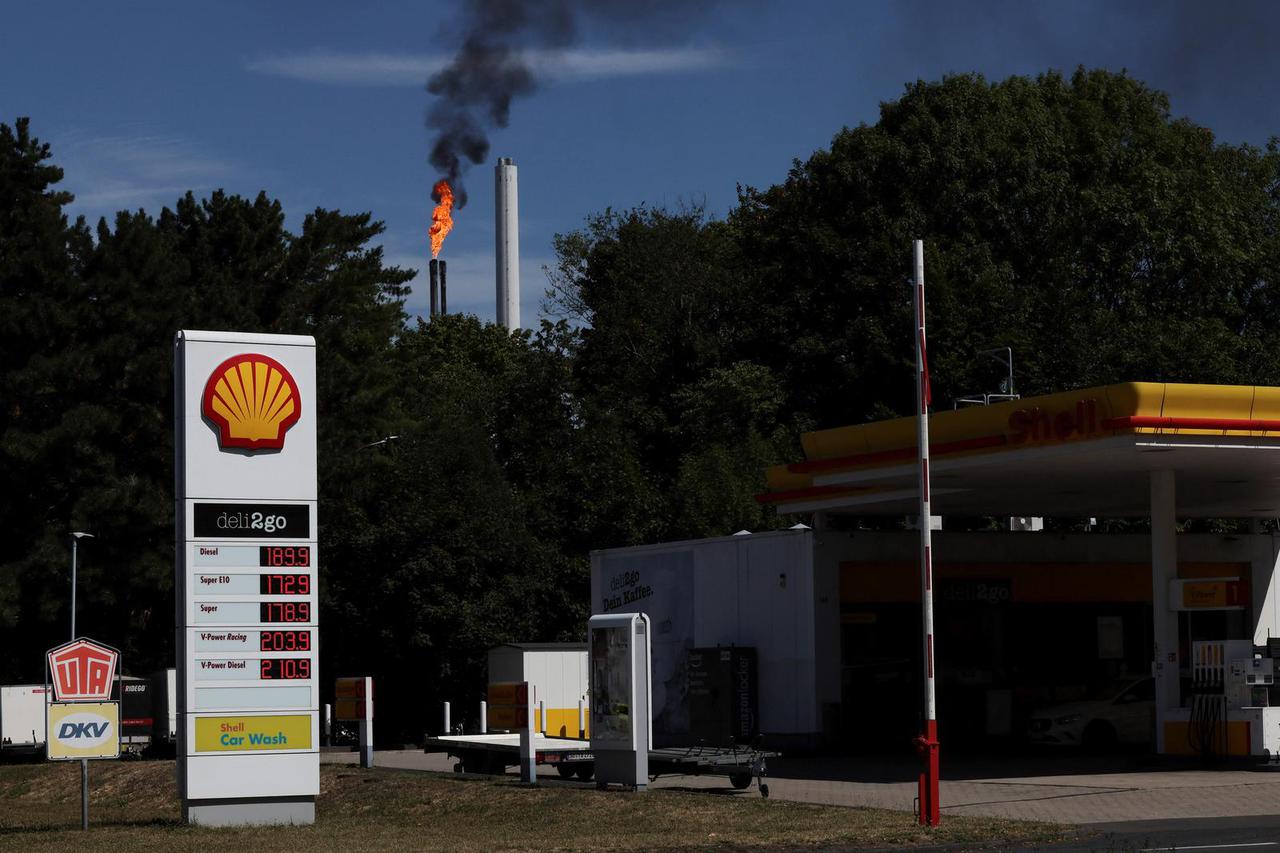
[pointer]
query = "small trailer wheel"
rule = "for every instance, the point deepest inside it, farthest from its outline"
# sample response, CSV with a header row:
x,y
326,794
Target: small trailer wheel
x,y
740,780
457,767
764,791
566,771
585,771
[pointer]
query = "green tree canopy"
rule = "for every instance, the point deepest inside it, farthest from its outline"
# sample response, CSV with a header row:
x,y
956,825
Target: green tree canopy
x,y
1072,219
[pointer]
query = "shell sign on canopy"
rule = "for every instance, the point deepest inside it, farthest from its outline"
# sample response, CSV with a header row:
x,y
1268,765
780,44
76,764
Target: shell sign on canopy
x,y
252,400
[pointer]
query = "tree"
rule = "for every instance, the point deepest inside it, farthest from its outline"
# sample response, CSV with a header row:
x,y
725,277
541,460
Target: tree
x,y
86,381
1074,220
40,292
668,391
456,539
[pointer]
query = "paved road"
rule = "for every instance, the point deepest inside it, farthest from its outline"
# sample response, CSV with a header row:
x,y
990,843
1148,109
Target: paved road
x,y
1139,805
1255,834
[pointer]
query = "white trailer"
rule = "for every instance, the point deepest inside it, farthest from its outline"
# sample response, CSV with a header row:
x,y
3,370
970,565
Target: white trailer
x,y
557,675
766,591
22,717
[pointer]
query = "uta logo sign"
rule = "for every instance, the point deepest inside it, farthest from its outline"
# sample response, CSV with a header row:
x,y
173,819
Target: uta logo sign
x,y
82,671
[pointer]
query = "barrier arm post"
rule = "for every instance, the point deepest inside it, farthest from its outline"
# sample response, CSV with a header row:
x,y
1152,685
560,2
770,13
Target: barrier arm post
x,y
927,742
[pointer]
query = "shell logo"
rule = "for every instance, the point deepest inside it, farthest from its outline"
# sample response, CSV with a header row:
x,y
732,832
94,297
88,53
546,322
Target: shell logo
x,y
252,400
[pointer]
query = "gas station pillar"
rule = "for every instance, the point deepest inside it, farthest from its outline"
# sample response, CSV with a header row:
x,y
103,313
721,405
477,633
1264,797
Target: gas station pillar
x,y
1164,568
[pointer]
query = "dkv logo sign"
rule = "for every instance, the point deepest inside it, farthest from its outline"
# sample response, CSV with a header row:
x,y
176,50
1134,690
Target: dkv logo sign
x,y
84,730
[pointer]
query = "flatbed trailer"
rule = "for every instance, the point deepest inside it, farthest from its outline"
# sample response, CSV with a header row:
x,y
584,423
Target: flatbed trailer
x,y
494,753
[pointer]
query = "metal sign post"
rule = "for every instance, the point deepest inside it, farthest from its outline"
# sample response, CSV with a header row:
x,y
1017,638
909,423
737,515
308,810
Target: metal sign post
x,y
355,704
510,706
927,743
528,761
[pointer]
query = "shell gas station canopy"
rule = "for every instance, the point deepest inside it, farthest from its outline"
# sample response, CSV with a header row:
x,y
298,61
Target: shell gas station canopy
x,y
1079,453
1141,449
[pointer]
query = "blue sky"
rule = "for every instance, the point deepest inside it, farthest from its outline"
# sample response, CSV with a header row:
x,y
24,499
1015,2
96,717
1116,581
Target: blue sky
x,y
323,103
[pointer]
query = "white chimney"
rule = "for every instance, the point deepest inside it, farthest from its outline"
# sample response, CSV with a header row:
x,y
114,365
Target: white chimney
x,y
507,246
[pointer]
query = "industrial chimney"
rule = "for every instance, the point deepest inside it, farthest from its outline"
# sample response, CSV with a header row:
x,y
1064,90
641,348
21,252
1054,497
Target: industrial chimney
x,y
507,248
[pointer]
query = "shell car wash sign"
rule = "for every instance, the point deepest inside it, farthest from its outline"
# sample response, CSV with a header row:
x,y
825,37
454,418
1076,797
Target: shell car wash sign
x,y
249,734
246,570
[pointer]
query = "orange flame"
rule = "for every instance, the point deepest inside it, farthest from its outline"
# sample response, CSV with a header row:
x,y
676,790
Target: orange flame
x,y
441,217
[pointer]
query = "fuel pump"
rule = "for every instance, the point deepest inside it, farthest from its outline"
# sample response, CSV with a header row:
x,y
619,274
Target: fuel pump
x,y
1207,723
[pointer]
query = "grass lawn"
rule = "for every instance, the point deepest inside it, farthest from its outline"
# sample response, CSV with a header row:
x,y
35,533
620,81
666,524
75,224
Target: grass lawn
x,y
133,807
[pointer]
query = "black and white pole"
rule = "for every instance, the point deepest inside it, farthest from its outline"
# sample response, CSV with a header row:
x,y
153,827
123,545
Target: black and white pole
x,y
366,729
528,759
76,536
927,742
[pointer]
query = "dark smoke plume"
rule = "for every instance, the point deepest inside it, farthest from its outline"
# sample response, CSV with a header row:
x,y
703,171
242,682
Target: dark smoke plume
x,y
474,93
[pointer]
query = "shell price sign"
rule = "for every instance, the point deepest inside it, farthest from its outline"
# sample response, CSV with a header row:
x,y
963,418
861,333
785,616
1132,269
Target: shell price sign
x,y
247,577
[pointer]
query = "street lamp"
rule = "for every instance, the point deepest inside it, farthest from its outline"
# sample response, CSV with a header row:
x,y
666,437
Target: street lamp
x,y
382,442
76,536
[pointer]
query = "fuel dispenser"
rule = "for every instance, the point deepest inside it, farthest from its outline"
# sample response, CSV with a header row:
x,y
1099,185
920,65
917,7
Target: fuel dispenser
x,y
1230,709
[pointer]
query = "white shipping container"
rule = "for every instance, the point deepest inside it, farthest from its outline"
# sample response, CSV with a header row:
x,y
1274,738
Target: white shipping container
x,y
764,591
557,676
22,717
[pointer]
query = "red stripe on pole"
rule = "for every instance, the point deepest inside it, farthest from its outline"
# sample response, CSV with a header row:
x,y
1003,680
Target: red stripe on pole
x,y
924,373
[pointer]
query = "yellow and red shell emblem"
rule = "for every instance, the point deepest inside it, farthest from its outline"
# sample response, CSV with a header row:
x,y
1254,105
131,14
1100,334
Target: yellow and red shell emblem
x,y
252,400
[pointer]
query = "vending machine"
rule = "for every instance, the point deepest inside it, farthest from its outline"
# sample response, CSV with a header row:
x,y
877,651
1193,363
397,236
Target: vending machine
x,y
621,713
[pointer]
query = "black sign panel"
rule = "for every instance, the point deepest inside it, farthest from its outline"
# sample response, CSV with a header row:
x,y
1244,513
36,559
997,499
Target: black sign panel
x,y
976,590
252,521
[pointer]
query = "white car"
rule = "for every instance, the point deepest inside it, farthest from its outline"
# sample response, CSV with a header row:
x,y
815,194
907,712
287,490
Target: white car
x,y
1125,715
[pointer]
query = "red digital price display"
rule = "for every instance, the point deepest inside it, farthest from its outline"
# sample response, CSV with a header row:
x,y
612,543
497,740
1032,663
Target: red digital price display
x,y
285,641
285,611
290,584
284,556
285,668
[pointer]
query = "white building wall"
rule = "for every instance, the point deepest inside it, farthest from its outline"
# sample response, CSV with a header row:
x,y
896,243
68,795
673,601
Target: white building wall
x,y
755,591
730,591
